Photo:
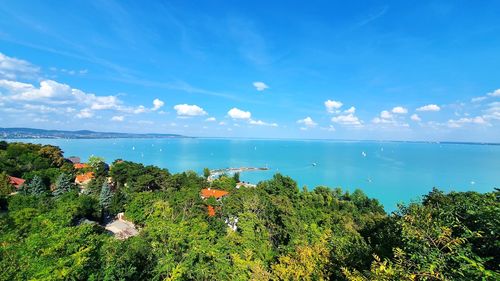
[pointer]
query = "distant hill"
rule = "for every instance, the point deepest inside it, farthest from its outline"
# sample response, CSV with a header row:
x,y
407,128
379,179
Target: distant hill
x,y
29,133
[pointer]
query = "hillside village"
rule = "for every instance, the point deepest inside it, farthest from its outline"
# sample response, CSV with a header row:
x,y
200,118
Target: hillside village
x,y
64,219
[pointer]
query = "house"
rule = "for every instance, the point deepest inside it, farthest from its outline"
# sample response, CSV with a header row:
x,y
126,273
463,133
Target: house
x,y
74,159
16,182
80,165
84,178
217,194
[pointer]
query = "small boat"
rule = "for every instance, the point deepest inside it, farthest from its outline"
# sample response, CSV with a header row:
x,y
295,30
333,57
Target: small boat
x,y
363,153
314,164
133,147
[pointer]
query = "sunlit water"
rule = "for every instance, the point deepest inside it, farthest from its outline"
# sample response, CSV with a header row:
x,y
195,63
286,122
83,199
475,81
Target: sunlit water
x,y
392,172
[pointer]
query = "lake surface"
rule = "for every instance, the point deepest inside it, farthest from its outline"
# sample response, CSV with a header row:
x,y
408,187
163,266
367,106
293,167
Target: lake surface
x,y
392,172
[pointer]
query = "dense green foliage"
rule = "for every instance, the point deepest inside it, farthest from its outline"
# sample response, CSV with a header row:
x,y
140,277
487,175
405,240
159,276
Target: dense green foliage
x,y
64,183
281,233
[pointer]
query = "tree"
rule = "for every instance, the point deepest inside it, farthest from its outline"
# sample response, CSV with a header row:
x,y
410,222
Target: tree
x,y
5,187
236,177
206,173
36,186
105,196
64,184
53,153
94,161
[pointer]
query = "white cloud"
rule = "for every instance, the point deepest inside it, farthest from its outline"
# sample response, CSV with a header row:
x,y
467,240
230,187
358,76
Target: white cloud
x,y
210,119
493,111
157,104
105,102
388,118
236,113
189,110
140,109
308,122
478,99
12,68
495,93
348,120
332,106
415,117
352,109
222,123
260,86
261,123
429,107
117,118
385,114
399,110
460,122
85,113
54,93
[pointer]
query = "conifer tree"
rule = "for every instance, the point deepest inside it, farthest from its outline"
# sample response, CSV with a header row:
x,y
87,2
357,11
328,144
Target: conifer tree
x,y
105,196
36,186
63,184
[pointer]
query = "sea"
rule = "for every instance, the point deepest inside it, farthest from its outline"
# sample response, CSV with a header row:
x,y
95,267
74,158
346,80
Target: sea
x,y
392,172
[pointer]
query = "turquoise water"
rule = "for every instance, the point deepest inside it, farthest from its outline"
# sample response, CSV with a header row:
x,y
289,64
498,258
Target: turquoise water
x,y
392,172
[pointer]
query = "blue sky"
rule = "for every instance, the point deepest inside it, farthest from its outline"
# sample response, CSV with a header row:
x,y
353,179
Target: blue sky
x,y
428,70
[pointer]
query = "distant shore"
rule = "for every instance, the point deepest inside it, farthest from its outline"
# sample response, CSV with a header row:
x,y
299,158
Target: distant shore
x,y
29,133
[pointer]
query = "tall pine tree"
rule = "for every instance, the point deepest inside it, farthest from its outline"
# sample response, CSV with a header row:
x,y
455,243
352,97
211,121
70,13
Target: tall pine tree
x,y
63,184
105,196
36,186
105,201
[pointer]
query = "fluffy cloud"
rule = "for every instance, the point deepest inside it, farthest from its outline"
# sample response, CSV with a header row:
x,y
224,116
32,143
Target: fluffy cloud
x,y
189,110
347,120
12,68
117,118
352,109
260,86
415,118
385,114
399,110
460,122
54,93
308,122
236,113
429,107
157,104
85,113
261,123
332,106
495,93
210,119
493,111
388,118
140,109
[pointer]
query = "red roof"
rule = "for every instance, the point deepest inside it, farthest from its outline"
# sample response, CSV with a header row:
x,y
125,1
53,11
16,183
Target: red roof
x,y
207,193
84,177
80,165
211,211
16,182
